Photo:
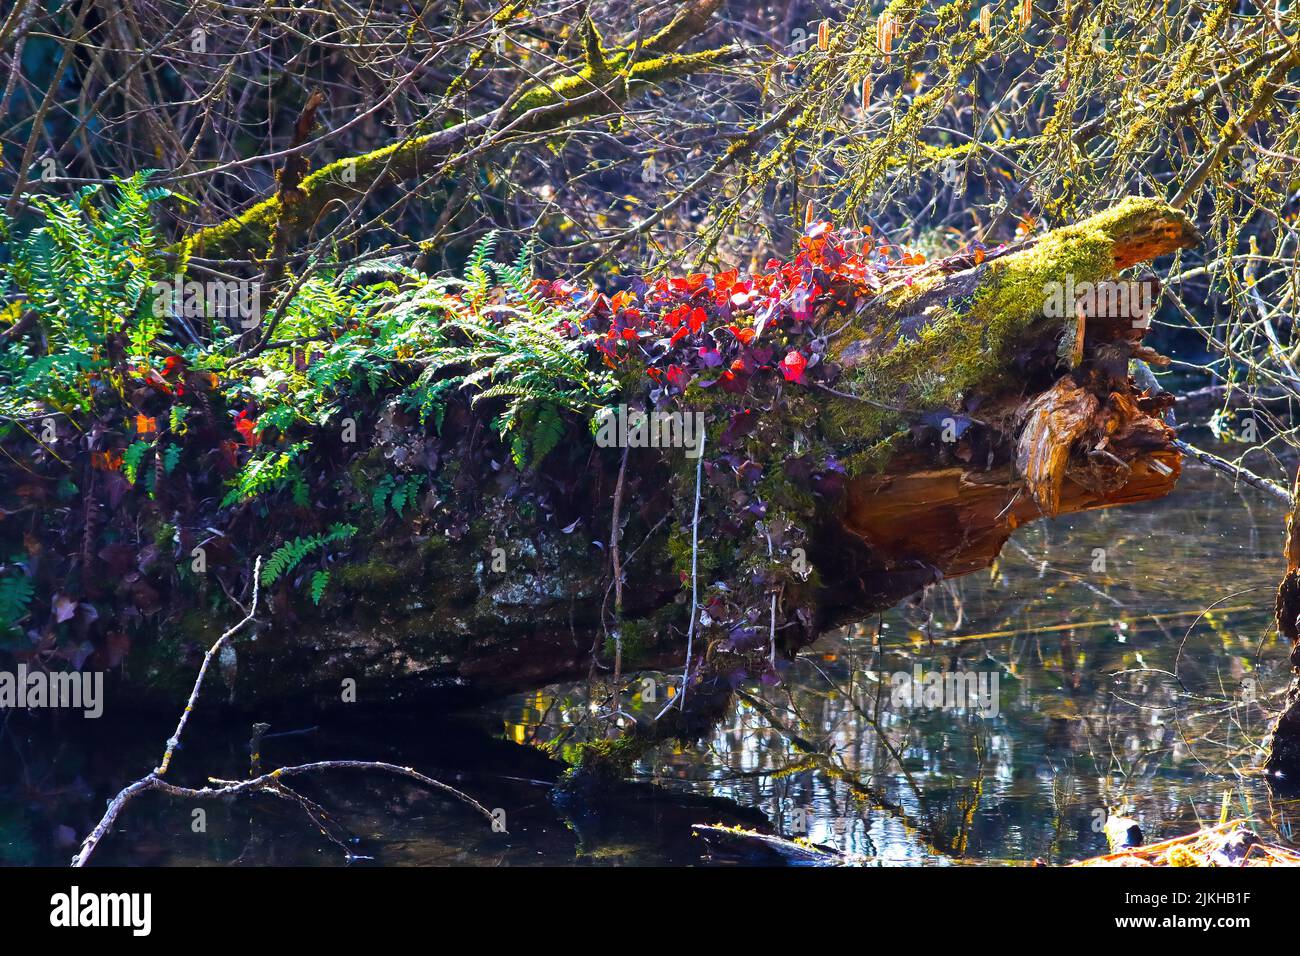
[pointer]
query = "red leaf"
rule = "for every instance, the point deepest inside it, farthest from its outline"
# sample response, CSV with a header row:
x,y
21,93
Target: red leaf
x,y
792,367
246,427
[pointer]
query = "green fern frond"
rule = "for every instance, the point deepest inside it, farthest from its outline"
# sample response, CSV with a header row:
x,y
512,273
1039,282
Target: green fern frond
x,y
319,581
266,473
15,598
292,553
132,458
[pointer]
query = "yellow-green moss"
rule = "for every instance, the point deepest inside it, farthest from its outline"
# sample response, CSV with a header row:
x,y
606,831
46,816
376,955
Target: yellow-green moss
x,y
966,343
378,576
711,557
641,635
606,760
589,76
251,229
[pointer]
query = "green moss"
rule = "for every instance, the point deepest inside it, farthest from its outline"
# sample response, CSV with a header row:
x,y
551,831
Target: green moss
x,y
635,636
873,458
713,556
378,575
372,576
966,343
165,536
164,660
604,761
589,77
646,636
854,429
776,488
252,229
565,87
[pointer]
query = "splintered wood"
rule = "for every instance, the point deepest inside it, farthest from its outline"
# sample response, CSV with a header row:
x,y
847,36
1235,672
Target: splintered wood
x,y
1054,421
1076,452
1230,844
1066,430
1070,431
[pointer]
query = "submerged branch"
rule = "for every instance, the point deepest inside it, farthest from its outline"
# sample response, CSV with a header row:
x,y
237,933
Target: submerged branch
x,y
265,783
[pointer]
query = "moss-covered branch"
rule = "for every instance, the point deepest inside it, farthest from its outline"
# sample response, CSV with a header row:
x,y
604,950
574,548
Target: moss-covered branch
x,y
944,335
605,80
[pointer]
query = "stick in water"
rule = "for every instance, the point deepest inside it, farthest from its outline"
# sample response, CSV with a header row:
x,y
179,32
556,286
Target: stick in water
x,y
266,783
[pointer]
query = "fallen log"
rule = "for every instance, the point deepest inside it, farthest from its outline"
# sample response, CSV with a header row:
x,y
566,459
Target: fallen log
x,y
947,409
738,846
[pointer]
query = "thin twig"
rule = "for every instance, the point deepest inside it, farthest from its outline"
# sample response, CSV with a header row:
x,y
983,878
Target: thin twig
x,y
271,783
618,581
175,739
1235,471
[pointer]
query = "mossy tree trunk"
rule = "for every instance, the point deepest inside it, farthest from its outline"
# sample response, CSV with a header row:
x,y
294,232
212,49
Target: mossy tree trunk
x,y
967,418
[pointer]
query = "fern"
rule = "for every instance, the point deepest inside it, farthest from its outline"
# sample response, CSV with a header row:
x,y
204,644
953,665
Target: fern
x,y
548,430
176,418
477,274
319,581
539,430
292,553
287,557
15,598
406,492
171,458
269,472
514,353
87,273
395,492
132,458
379,496
491,335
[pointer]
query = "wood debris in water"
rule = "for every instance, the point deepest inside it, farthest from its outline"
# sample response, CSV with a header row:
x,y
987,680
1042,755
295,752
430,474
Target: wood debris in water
x,y
1227,844
749,847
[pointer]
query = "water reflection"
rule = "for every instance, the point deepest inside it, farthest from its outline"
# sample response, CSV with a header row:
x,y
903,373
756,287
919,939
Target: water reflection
x,y
1135,662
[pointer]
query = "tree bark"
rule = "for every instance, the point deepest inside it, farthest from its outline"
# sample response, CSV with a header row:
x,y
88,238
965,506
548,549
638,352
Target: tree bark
x,y
1283,763
423,617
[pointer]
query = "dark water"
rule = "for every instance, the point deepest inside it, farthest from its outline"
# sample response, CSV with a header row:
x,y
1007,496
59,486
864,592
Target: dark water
x,y
1144,686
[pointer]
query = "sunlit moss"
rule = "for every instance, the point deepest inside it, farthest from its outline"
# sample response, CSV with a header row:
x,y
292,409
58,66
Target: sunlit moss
x,y
966,343
600,761
251,229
